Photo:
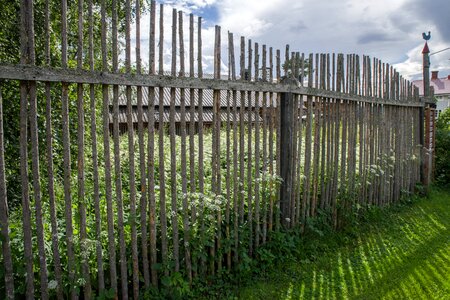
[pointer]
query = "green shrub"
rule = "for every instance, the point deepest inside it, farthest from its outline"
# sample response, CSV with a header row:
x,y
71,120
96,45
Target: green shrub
x,y
442,148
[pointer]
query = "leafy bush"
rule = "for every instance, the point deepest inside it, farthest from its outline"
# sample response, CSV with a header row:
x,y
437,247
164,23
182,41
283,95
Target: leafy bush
x,y
442,148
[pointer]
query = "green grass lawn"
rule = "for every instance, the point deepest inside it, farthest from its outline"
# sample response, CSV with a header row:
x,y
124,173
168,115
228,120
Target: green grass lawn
x,y
401,253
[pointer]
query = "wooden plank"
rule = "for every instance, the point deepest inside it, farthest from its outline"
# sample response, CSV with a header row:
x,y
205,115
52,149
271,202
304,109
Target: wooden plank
x,y
131,150
94,156
264,154
143,200
323,133
271,144
117,165
107,157
151,153
87,289
308,140
249,157
75,76
278,150
192,110
162,181
4,221
184,190
216,182
235,153
66,155
286,154
200,136
257,153
173,151
295,121
241,152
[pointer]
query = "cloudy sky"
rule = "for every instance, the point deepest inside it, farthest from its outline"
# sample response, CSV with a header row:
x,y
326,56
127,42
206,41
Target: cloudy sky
x,y
390,30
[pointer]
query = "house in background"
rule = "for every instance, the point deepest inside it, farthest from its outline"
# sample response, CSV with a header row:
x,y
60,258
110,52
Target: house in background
x,y
226,108
441,88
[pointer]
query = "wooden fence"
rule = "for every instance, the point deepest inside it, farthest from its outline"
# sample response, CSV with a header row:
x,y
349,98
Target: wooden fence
x,y
117,213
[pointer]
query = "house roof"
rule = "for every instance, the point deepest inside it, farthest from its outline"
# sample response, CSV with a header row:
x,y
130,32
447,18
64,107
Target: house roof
x,y
441,86
207,116
226,98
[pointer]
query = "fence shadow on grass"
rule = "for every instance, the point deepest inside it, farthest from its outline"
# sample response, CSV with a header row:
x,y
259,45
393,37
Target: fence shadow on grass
x,y
406,260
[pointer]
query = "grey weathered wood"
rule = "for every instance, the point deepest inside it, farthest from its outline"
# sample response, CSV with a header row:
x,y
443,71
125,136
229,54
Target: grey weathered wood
x,y
162,179
117,157
94,156
173,154
241,151
151,150
278,134
249,157
66,154
131,151
264,154
192,118
216,182
142,171
200,138
257,154
87,289
107,158
22,72
286,153
4,221
271,144
236,182
184,189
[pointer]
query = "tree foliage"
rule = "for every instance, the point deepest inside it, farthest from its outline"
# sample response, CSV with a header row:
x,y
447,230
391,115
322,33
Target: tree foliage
x,y
10,26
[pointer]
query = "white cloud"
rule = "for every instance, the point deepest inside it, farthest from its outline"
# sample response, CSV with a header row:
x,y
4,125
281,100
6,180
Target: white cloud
x,y
388,30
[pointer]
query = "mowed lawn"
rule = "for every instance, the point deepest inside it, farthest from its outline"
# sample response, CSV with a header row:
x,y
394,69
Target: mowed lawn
x,y
404,253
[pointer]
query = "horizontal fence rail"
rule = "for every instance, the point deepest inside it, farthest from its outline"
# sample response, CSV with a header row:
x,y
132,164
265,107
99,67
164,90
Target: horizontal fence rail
x,y
130,175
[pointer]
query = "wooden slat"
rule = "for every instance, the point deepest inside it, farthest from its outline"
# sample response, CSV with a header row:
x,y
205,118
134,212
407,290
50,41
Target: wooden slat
x,y
277,124
216,182
107,157
66,155
257,154
162,184
323,123
241,154
249,157
173,151
131,150
87,289
271,143
192,123
4,221
264,154
200,139
117,166
95,163
142,171
308,140
186,226
236,183
151,152
26,18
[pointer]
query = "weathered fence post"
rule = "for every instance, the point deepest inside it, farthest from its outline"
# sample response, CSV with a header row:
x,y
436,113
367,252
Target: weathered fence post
x,y
425,161
286,150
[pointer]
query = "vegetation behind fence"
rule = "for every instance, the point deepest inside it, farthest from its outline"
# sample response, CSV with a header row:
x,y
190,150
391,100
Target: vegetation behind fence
x,y
198,180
